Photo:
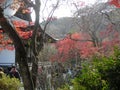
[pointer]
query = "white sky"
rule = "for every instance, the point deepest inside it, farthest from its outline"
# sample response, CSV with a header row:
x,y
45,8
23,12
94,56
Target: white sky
x,y
66,7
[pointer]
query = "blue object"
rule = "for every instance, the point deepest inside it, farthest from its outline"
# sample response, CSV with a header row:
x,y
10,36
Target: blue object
x,y
7,57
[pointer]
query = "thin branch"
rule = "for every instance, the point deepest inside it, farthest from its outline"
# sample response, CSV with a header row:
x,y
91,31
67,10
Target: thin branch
x,y
50,16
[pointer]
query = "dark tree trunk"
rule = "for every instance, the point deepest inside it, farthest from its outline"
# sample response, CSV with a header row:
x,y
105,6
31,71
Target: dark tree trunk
x,y
34,71
19,46
25,74
35,45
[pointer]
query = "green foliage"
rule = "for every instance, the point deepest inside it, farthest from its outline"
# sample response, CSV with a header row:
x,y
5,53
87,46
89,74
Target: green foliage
x,y
103,73
90,79
7,83
109,68
64,87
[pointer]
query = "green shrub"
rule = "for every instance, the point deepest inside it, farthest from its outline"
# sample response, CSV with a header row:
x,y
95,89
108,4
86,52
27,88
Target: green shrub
x,y
7,83
109,68
90,79
64,87
103,73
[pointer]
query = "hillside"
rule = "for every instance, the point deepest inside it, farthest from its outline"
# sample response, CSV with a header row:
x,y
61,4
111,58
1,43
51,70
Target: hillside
x,y
94,21
60,27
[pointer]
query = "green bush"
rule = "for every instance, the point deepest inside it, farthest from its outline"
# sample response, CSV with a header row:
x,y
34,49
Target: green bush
x,y
90,79
109,68
7,83
103,73
64,87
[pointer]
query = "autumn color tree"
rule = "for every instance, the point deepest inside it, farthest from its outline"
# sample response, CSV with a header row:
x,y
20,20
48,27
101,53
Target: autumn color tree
x,y
115,3
74,45
79,45
31,36
20,49
24,36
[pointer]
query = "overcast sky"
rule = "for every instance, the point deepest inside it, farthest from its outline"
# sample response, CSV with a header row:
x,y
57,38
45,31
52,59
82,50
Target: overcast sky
x,y
65,7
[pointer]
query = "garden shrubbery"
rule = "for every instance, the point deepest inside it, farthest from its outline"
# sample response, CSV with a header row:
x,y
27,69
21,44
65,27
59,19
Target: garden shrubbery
x,y
102,73
7,83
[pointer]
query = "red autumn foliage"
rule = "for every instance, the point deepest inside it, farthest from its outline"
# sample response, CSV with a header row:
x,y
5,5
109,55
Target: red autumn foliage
x,y
6,42
19,25
108,45
74,45
79,44
115,2
24,34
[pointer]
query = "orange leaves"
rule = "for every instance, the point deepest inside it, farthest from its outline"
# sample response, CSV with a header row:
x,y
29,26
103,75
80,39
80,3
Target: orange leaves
x,y
24,34
9,41
8,47
80,44
76,36
115,2
1,36
67,48
88,50
19,23
6,44
1,49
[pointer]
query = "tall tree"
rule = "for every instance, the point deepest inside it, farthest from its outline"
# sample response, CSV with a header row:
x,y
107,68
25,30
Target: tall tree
x,y
21,46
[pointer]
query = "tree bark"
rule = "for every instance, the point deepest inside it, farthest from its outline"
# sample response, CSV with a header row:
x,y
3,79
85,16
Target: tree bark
x,y
19,46
35,50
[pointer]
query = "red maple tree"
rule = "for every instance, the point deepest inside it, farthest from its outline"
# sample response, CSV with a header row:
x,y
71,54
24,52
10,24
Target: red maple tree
x,y
77,44
73,45
115,3
20,27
